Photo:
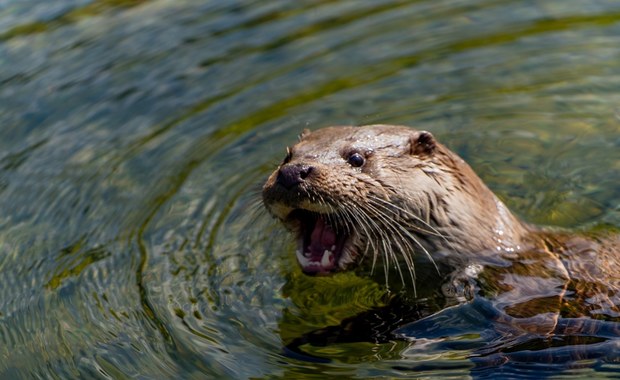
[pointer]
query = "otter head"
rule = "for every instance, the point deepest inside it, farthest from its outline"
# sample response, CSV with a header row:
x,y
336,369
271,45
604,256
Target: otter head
x,y
389,190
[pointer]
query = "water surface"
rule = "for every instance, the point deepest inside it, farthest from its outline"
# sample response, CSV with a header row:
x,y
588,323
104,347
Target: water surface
x,y
135,136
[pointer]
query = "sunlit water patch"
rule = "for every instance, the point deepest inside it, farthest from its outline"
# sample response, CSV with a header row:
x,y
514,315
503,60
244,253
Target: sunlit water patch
x,y
135,137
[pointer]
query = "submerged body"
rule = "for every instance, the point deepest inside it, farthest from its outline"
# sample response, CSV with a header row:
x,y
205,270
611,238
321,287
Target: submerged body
x,y
391,197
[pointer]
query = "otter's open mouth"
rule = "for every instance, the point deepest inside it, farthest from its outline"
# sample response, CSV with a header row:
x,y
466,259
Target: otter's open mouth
x,y
321,247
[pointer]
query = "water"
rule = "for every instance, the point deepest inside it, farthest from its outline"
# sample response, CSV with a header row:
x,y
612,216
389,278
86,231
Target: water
x,y
135,136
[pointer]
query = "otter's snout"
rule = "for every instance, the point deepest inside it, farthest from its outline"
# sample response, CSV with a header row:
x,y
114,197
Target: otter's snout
x,y
292,175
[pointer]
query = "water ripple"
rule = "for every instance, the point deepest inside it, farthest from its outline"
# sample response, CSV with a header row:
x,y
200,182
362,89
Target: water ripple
x,y
135,136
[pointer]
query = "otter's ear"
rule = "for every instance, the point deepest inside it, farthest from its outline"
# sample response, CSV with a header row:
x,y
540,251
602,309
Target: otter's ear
x,y
305,133
422,143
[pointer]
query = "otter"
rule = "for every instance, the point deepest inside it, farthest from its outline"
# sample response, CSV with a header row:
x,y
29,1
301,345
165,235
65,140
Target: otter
x,y
392,196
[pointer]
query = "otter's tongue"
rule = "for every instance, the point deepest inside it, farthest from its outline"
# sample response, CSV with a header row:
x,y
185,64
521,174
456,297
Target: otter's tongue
x,y
323,238
319,254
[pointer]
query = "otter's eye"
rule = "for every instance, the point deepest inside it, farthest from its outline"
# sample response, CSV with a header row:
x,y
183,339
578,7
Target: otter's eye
x,y
356,160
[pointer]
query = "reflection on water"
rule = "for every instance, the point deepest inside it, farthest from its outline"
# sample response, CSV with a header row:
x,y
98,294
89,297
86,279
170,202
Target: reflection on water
x,y
135,135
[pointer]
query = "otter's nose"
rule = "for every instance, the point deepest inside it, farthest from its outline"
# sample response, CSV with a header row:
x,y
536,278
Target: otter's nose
x,y
293,175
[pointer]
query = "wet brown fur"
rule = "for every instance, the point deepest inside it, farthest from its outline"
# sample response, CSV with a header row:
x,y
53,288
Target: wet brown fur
x,y
427,200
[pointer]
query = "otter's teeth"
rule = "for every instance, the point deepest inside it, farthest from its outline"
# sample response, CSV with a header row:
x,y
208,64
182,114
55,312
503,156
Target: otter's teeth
x,y
327,255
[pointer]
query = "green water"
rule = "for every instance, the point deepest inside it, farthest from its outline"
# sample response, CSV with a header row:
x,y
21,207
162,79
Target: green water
x,y
135,136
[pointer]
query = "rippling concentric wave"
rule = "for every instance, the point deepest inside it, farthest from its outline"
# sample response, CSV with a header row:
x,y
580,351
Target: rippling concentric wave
x,y
135,136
